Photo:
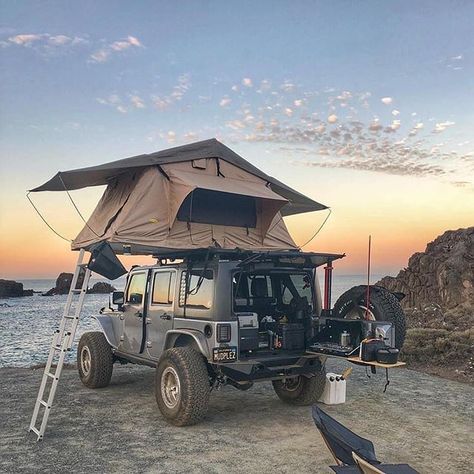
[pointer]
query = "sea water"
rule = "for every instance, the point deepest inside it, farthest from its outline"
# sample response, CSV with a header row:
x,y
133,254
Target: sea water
x,y
27,324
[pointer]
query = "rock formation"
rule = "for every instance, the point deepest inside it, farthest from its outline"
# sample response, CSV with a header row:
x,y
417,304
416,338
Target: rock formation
x,y
101,287
439,305
63,284
11,289
441,275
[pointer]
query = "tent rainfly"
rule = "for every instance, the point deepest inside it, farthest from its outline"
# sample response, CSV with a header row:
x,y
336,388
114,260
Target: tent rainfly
x,y
188,197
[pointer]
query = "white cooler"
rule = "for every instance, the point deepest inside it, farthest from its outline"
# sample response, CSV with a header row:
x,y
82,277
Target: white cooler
x,y
334,390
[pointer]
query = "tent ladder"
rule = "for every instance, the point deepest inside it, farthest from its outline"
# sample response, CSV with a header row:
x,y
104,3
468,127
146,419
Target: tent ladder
x,y
62,342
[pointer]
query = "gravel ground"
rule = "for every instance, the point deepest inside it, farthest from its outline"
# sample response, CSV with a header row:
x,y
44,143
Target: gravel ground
x,y
422,420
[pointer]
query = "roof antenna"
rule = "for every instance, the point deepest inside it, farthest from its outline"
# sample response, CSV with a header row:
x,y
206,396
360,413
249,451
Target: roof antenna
x,y
367,298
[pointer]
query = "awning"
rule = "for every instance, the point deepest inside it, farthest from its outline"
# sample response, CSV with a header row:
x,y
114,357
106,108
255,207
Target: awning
x,y
105,173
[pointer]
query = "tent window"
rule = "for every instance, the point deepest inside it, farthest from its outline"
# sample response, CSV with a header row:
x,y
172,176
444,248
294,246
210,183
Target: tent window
x,y
218,208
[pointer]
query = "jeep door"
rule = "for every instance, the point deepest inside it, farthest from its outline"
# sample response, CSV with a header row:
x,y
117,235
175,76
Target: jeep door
x,y
133,314
160,309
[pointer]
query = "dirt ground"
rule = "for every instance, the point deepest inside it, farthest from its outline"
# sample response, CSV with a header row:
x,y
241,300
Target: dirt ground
x,y
422,420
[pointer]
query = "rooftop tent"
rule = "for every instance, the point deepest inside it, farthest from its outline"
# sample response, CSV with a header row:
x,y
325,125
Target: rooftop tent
x,y
193,196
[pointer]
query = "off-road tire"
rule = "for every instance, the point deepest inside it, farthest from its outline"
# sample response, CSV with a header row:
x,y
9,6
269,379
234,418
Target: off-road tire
x,y
307,391
101,360
194,382
383,304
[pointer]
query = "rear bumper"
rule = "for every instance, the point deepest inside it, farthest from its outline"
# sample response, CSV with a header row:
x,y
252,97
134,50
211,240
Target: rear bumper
x,y
272,368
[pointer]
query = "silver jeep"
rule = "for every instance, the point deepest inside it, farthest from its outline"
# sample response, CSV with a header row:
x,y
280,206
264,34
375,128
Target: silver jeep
x,y
216,318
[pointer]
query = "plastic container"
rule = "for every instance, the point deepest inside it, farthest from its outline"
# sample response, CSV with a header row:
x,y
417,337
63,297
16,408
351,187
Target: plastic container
x,y
334,390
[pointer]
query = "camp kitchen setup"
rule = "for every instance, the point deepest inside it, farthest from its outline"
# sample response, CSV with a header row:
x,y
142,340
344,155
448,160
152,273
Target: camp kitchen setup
x,y
201,209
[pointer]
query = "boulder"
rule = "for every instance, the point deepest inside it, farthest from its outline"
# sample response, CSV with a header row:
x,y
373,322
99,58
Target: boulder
x,y
63,284
442,275
13,289
101,287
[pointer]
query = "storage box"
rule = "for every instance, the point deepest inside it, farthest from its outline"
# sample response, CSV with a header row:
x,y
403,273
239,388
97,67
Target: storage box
x,y
334,390
293,337
249,340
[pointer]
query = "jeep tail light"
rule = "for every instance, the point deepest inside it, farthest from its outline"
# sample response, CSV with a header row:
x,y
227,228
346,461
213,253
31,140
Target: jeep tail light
x,y
223,333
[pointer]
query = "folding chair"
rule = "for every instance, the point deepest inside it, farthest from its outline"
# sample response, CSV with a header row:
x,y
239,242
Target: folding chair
x,y
352,453
341,441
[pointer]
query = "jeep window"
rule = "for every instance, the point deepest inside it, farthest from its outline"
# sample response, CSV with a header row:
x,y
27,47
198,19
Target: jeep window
x,y
163,288
272,291
200,289
297,285
136,288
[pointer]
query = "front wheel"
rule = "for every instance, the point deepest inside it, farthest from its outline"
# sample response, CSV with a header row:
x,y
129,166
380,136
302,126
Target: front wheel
x,y
94,360
182,386
301,390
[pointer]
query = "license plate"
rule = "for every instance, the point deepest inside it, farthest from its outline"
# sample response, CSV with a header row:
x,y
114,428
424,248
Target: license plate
x,y
224,354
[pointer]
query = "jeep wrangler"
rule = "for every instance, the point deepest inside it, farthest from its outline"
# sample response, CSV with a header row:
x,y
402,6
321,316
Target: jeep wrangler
x,y
208,318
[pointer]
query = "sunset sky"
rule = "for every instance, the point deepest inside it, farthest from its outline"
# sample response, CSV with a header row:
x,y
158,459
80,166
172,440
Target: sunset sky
x,y
367,107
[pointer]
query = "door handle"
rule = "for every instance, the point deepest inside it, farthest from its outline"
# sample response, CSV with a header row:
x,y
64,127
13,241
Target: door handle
x,y
165,316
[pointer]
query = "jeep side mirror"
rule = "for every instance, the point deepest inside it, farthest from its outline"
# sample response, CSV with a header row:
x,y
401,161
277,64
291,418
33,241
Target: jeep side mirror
x,y
136,298
117,297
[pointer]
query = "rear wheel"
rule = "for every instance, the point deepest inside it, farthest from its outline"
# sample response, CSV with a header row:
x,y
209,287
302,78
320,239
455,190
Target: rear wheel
x,y
383,306
301,390
182,386
94,360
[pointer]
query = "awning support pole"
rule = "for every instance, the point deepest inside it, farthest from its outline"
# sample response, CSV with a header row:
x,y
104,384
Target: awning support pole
x,y
327,286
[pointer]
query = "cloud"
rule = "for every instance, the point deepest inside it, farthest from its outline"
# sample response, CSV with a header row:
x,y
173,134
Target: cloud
x,y
386,100
25,40
395,124
225,101
298,102
247,82
44,43
442,126
405,168
137,102
395,112
103,54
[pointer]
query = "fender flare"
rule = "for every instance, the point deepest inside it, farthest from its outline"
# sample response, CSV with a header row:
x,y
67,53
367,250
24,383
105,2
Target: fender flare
x,y
106,323
173,334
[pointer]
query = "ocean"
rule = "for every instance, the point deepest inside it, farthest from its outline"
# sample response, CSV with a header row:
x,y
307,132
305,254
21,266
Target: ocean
x,y
27,324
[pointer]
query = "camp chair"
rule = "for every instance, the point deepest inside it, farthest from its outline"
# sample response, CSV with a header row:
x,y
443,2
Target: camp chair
x,y
364,466
341,441
352,453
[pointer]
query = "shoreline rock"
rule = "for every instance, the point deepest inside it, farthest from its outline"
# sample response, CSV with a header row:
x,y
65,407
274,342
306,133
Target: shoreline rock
x,y
64,281
13,289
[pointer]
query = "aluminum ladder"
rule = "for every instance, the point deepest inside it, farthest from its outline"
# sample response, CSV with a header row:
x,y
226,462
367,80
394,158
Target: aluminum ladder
x,y
63,340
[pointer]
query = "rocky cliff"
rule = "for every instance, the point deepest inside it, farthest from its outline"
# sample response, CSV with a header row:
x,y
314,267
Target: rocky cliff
x,y
443,274
439,304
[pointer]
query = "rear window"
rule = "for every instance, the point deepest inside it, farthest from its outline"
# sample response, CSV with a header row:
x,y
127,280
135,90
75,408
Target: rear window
x,y
200,289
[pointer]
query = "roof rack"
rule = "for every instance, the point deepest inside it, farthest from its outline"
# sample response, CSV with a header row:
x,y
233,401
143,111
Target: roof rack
x,y
250,256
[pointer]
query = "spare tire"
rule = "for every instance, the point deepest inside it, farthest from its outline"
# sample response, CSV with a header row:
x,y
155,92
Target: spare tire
x,y
383,306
